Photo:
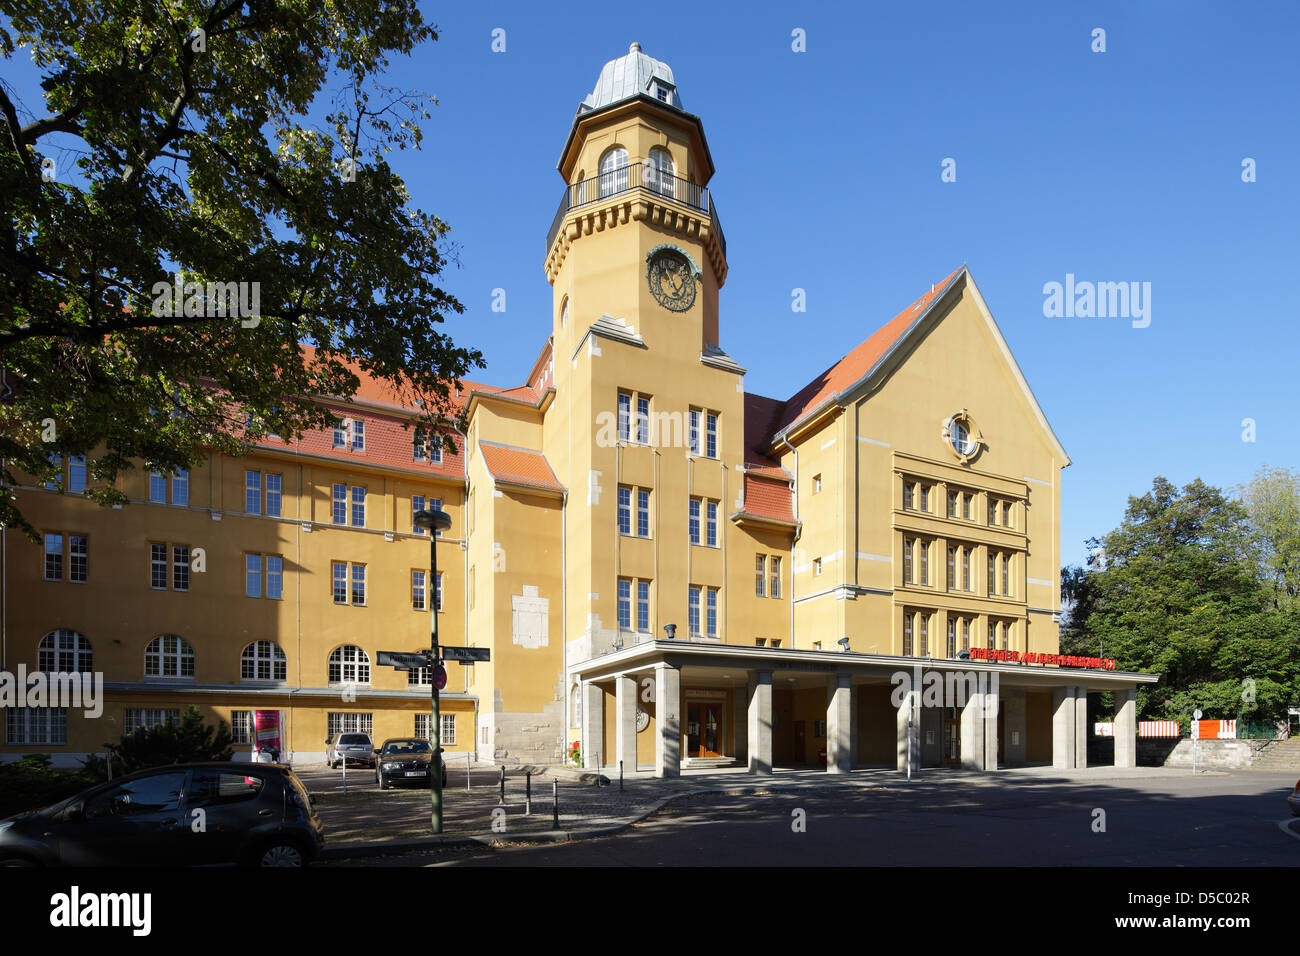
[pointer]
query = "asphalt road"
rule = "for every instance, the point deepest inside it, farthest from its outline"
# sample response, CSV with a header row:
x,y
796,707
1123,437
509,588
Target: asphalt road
x,y
1229,820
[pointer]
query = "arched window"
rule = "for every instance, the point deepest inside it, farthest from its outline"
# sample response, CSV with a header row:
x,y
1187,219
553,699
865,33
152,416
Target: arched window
x,y
660,172
613,171
65,652
263,660
349,664
564,313
169,655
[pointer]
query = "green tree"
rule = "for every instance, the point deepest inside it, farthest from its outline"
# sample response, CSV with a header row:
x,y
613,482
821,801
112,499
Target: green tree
x,y
1174,590
1272,501
192,140
189,741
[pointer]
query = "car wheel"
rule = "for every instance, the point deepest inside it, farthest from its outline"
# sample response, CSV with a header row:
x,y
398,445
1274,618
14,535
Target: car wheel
x,y
281,854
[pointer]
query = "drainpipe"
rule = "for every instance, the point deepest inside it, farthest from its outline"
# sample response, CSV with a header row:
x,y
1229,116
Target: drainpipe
x,y
798,530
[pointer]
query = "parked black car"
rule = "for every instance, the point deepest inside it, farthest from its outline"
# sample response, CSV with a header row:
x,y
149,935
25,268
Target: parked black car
x,y
405,760
254,814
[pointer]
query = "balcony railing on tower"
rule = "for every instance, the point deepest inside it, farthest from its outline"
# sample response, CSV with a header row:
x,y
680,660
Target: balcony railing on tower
x,y
636,176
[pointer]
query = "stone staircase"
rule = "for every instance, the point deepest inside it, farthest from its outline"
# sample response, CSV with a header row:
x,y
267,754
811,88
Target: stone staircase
x,y
1282,755
707,763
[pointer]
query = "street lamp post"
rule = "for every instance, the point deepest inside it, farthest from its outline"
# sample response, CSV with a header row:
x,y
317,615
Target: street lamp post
x,y
433,522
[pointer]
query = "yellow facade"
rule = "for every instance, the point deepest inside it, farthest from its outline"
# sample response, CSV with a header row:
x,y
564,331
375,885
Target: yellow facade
x,y
631,484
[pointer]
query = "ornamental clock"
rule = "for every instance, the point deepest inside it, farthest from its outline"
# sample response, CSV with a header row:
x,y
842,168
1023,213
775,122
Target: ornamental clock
x,y
671,278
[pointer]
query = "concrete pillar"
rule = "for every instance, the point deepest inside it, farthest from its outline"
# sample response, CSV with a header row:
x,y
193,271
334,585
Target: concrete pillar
x,y
593,725
839,724
854,741
759,721
1126,727
668,721
972,731
1063,721
1015,725
625,689
913,696
1081,728
992,705
740,725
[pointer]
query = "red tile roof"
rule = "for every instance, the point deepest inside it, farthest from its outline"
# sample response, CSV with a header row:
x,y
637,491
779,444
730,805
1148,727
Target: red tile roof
x,y
768,498
519,466
852,367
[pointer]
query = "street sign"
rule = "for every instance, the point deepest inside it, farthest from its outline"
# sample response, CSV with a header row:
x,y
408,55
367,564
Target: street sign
x,y
1196,714
465,655
403,660
440,677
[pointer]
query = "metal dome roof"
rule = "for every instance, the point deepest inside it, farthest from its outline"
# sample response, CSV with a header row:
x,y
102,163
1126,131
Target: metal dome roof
x,y
630,75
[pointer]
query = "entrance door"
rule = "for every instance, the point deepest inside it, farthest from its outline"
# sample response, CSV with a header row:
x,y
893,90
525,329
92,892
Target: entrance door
x,y
703,729
800,747
951,735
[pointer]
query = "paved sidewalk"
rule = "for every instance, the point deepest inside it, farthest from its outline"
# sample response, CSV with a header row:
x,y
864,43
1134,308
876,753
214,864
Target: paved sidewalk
x,y
367,821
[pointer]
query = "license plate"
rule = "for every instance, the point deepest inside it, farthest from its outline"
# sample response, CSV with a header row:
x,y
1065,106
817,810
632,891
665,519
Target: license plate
x,y
415,773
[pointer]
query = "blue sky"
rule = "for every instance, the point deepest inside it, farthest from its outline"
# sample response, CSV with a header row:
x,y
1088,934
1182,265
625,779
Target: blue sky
x,y
1115,166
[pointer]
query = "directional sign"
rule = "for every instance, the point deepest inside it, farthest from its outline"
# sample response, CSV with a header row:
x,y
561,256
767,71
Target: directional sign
x,y
403,660
465,655
440,677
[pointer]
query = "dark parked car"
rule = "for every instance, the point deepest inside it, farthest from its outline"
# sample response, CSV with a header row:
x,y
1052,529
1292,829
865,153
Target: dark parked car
x,y
405,760
180,815
358,748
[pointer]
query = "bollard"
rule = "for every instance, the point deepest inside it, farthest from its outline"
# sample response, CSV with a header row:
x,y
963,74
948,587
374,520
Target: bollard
x,y
620,776
502,799
528,793
345,774
555,804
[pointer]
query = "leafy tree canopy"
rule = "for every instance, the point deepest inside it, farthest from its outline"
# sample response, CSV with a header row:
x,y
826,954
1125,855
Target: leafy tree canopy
x,y
178,138
1174,590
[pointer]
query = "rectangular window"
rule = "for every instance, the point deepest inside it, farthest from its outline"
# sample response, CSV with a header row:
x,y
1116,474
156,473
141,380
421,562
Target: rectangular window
x,y
952,504
951,650
643,513
143,718
923,632
54,557
907,633
909,491
923,547
711,524
1006,513
710,435
965,569
760,574
358,507
693,521
966,506
36,725
241,726
419,450
340,723
435,504
340,512
158,567
1006,575
77,474
340,578
993,511
435,454
693,432
253,492
181,487
157,487
358,584
1006,636
448,729
624,510
78,558
274,576
417,505
711,617
340,436
625,604
907,560
643,420
180,567
643,605
253,575
925,497
965,634
817,484
993,570
624,416
417,591
358,434
693,611
775,589
993,635
273,496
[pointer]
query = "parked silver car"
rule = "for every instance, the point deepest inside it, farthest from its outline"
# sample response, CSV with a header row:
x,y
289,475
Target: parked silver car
x,y
358,748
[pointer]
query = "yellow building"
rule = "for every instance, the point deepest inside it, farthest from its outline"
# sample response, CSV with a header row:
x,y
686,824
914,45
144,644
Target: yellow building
x,y
662,564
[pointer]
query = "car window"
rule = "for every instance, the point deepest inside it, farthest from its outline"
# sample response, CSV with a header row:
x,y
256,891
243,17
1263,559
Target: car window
x,y
210,788
354,739
408,747
152,794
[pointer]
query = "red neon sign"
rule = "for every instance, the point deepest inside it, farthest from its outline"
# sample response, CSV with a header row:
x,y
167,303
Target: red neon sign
x,y
1025,657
